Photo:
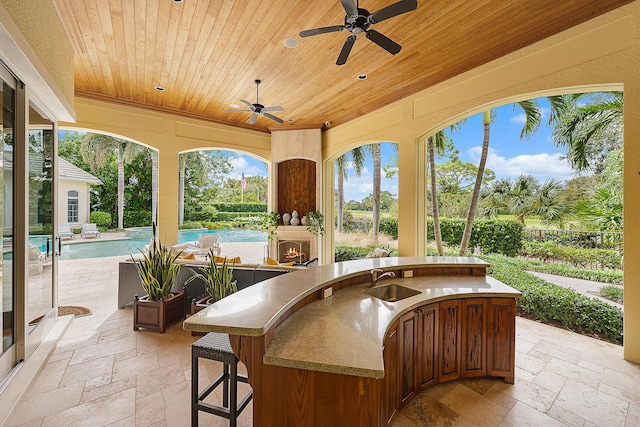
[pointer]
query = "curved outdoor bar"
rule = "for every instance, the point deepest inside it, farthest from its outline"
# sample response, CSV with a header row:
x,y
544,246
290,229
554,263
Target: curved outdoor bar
x,y
332,345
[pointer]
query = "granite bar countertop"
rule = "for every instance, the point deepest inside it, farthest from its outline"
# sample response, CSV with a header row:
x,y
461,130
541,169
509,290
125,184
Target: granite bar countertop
x,y
345,332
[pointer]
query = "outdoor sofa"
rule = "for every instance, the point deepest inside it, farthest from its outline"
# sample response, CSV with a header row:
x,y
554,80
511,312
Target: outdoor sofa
x,y
245,274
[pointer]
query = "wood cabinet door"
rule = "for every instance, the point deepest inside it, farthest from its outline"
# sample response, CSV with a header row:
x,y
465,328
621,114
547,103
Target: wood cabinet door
x,y
449,341
427,346
474,337
501,339
391,401
407,330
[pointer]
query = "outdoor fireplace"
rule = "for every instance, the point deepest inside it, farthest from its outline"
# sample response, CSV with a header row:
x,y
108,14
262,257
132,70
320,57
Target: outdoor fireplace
x,y
297,251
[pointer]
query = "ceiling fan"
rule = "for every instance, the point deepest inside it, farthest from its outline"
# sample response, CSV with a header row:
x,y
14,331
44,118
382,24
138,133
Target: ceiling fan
x,y
359,20
258,109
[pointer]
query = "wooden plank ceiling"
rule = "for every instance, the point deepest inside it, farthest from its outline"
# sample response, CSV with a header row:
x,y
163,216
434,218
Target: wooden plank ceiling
x,y
207,53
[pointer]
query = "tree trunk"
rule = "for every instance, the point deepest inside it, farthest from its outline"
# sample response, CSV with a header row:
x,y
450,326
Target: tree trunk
x,y
181,196
154,186
376,192
466,237
435,212
340,201
120,186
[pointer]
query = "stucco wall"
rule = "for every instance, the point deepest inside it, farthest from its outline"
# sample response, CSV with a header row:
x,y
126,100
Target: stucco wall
x,y
36,47
64,186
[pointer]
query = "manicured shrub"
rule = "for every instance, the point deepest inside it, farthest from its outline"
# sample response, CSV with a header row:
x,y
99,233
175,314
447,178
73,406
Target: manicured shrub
x,y
217,226
100,218
552,303
40,229
604,276
348,253
244,207
187,225
492,236
579,257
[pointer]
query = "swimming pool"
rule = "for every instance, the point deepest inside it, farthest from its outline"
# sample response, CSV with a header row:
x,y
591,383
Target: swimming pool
x,y
106,248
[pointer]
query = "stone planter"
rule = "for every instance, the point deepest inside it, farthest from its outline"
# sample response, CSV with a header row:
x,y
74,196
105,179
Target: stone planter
x,y
158,314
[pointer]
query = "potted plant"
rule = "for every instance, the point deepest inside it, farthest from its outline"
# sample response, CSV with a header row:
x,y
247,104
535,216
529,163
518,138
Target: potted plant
x,y
315,223
270,223
218,281
161,306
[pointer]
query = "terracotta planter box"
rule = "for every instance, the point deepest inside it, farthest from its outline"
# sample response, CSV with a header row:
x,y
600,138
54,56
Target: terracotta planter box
x,y
158,314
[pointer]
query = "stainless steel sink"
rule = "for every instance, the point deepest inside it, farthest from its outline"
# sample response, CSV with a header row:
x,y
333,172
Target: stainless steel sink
x,y
391,292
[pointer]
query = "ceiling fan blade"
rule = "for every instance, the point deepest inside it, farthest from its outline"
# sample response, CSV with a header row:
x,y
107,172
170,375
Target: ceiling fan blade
x,y
322,30
349,7
384,42
253,118
273,108
272,117
237,111
403,6
250,105
346,49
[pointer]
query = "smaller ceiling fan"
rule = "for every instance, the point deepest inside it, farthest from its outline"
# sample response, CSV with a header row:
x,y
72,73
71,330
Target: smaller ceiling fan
x,y
359,20
258,109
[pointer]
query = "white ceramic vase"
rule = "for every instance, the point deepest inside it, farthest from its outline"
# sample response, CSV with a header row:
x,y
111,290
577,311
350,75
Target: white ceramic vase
x,y
286,218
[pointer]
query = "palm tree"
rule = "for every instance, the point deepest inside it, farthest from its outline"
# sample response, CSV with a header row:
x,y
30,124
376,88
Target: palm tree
x,y
587,131
357,158
95,149
532,123
524,197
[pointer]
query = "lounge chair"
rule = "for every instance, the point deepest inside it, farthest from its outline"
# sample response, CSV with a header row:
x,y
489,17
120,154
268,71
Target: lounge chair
x,y
64,231
37,260
207,242
89,230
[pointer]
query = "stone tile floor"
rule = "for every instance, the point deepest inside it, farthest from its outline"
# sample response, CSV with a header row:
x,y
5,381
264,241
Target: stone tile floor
x,y
105,374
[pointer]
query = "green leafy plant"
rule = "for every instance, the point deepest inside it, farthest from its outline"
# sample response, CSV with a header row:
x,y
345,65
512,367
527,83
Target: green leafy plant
x,y
157,269
218,279
270,223
315,223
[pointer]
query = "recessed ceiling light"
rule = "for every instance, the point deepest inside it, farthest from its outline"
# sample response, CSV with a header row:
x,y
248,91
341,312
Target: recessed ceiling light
x,y
362,76
234,106
290,119
177,1
159,88
291,43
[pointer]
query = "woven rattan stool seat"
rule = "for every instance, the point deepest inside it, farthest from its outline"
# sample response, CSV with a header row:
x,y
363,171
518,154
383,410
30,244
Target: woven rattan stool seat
x,y
215,346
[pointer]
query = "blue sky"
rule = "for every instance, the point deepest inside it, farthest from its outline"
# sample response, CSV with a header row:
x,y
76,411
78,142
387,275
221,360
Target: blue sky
x,y
508,155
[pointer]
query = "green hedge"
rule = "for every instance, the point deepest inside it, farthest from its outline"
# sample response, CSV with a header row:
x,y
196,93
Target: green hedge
x,y
545,251
188,225
136,218
553,303
492,236
234,216
348,253
241,207
100,218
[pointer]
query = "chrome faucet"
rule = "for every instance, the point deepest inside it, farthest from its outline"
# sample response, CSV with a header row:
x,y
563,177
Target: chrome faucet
x,y
375,277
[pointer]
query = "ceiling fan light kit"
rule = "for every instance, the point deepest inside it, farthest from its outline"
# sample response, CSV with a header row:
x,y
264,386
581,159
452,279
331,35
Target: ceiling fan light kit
x,y
257,109
358,20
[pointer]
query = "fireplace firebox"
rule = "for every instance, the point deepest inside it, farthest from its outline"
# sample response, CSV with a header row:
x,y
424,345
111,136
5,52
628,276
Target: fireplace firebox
x,y
297,251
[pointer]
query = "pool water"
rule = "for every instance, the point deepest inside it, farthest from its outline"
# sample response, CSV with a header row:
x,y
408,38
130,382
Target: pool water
x,y
106,248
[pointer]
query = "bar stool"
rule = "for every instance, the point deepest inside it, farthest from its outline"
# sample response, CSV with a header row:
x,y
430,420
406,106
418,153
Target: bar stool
x,y
215,346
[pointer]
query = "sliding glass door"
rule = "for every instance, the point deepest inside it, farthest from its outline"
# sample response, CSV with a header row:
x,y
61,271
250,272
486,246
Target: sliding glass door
x,y
7,282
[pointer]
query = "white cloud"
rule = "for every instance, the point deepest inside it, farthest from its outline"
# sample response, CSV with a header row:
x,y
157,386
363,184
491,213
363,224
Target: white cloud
x,y
240,164
542,166
357,188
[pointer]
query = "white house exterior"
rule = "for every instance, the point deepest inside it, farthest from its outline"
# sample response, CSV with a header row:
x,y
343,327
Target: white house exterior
x,y
74,186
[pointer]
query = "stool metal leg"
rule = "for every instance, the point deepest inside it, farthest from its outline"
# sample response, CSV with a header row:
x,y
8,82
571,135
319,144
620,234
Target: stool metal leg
x,y
233,405
194,391
225,385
